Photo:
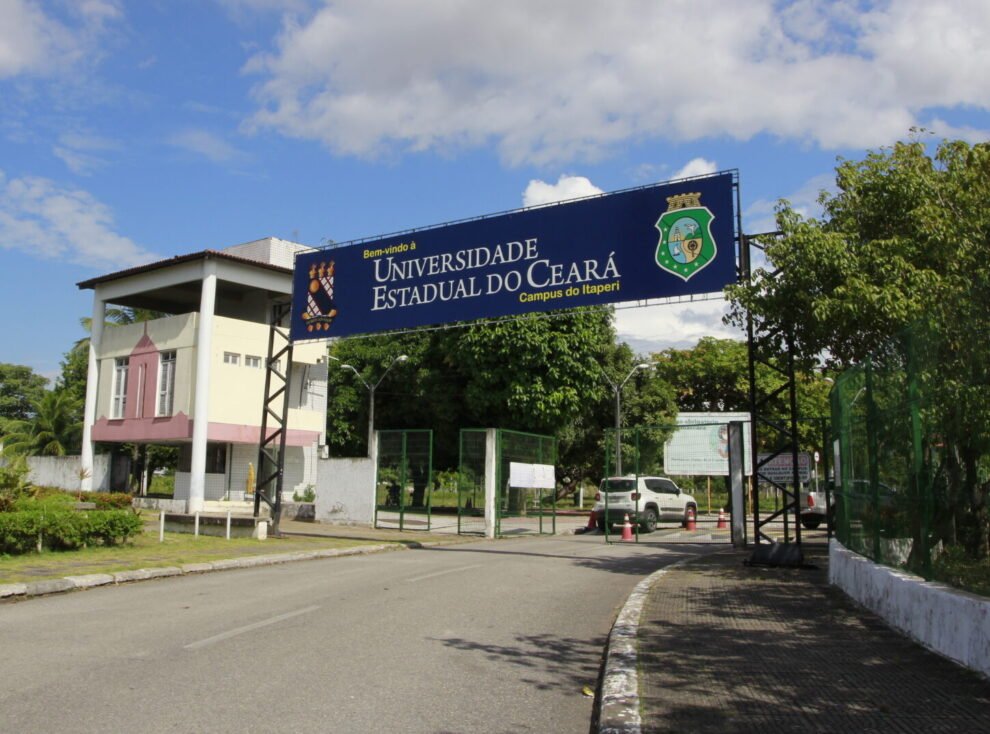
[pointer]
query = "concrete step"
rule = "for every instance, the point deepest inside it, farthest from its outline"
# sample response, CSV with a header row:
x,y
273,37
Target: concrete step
x,y
234,507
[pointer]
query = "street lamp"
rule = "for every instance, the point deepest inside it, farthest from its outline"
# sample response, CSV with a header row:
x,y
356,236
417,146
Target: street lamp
x,y
371,396
617,389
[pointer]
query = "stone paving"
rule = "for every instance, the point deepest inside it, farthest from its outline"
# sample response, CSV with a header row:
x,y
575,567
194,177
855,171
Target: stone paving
x,y
729,648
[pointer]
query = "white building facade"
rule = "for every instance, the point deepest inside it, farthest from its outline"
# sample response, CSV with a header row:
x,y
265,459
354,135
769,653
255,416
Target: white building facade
x,y
195,378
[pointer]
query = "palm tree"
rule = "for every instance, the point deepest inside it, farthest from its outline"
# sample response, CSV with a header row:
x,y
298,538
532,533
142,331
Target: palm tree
x,y
117,316
54,430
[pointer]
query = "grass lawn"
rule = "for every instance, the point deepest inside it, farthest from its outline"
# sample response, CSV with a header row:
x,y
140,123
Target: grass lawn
x,y
146,551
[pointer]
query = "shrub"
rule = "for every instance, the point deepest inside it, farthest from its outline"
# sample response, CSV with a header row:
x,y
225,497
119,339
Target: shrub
x,y
13,482
107,500
65,529
19,531
308,495
112,526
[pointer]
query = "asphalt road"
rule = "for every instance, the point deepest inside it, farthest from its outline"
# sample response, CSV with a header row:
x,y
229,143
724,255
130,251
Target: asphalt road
x,y
484,637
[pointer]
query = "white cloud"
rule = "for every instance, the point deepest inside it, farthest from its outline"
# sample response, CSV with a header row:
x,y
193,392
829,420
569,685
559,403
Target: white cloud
x,y
567,187
208,145
41,218
759,216
77,151
654,328
696,167
564,80
34,42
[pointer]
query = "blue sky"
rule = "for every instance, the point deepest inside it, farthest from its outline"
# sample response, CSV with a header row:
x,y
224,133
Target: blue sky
x,y
136,130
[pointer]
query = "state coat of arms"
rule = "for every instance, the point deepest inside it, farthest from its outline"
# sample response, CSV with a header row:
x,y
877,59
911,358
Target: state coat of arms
x,y
686,243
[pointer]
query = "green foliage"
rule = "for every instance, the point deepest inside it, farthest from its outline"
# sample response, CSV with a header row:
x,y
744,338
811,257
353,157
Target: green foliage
x,y
21,531
904,241
105,500
307,495
13,482
20,388
54,428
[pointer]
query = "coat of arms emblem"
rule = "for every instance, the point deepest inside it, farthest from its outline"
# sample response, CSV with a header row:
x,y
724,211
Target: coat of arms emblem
x,y
686,243
321,309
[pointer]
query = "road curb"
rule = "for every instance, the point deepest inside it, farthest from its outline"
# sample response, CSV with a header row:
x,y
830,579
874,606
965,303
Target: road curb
x,y
619,702
89,581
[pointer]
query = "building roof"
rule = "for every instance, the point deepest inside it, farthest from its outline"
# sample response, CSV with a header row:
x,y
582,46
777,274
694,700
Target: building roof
x,y
177,260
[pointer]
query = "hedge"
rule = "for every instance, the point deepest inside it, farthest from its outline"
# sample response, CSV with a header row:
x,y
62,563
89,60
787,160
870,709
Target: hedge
x,y
22,532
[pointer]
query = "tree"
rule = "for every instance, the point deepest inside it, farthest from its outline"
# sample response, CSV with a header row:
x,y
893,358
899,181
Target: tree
x,y
903,242
52,430
537,373
20,387
713,376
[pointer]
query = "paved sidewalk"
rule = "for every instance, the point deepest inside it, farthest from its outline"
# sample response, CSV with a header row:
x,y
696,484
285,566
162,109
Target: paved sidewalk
x,y
729,648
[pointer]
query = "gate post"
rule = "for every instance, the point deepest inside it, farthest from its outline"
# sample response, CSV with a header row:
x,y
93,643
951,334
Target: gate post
x,y
737,482
491,465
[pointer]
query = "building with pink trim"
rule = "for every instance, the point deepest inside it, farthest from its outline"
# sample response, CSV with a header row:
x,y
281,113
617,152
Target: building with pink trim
x,y
195,378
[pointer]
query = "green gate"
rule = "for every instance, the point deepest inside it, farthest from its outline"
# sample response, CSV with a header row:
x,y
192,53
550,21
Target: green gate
x,y
404,479
521,504
471,482
517,509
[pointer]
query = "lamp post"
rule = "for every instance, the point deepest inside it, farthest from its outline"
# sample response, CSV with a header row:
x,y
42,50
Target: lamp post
x,y
371,396
617,389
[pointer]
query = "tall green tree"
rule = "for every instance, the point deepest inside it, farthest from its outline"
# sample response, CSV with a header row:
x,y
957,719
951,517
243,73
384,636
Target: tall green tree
x,y
20,388
904,241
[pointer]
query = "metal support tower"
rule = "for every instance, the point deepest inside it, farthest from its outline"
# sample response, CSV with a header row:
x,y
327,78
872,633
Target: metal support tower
x,y
271,444
765,348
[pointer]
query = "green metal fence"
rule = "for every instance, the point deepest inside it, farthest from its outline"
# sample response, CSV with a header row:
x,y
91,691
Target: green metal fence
x,y
528,509
471,482
404,480
524,502
912,427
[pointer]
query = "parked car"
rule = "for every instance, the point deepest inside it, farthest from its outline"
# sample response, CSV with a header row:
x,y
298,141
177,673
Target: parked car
x,y
647,500
813,508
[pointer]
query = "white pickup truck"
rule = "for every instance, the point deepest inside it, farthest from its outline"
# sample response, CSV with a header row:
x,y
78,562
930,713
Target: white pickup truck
x,y
813,508
647,500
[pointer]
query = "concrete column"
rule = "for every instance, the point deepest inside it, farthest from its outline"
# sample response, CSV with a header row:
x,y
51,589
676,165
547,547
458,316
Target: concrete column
x,y
737,483
92,383
201,400
491,456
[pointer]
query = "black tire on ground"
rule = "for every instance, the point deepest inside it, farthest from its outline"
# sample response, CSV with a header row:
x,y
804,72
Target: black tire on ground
x,y
649,521
811,522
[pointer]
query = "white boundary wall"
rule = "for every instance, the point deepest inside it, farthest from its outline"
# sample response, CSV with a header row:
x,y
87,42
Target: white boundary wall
x,y
63,471
345,491
953,623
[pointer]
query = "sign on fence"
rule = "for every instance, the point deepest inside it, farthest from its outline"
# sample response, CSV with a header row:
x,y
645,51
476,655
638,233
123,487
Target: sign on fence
x,y
531,476
779,469
700,445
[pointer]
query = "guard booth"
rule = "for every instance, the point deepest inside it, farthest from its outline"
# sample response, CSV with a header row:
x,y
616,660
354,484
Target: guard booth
x,y
506,483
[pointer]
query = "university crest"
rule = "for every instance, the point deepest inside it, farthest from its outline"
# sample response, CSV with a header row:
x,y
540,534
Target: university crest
x,y
686,242
321,309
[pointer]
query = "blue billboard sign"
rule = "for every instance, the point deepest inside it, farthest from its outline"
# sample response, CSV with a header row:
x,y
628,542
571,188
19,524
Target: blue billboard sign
x,y
658,241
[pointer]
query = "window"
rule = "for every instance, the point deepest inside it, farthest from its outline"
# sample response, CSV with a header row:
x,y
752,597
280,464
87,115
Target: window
x,y
231,358
216,457
251,360
119,403
166,383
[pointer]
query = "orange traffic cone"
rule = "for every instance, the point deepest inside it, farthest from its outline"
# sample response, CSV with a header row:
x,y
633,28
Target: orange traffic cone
x,y
591,522
722,520
627,529
690,525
